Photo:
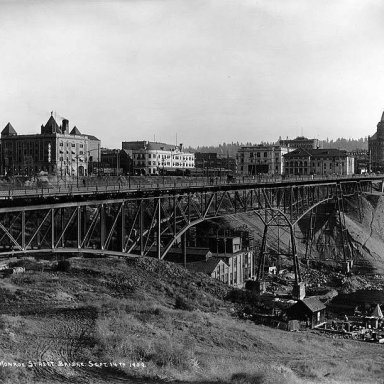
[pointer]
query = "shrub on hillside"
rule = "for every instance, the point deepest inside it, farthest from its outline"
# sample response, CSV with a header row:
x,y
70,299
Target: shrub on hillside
x,y
251,285
63,266
26,263
242,297
271,376
183,303
169,354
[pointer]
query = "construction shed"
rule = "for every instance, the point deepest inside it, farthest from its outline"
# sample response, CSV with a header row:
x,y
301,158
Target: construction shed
x,y
213,267
309,310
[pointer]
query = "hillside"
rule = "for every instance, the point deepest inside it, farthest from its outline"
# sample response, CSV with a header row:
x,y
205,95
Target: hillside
x,y
154,313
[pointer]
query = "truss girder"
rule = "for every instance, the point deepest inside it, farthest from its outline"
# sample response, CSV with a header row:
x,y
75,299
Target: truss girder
x,y
136,224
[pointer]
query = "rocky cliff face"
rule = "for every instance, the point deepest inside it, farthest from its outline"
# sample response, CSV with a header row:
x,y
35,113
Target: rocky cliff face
x,y
367,234
364,223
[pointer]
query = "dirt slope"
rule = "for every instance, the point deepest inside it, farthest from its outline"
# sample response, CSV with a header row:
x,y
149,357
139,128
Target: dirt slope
x,y
175,323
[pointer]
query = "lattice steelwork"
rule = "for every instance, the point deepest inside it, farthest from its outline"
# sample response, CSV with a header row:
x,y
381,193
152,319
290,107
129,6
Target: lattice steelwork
x,y
140,222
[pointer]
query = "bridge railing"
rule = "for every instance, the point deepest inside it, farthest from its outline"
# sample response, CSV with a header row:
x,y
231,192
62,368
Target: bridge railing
x,y
94,186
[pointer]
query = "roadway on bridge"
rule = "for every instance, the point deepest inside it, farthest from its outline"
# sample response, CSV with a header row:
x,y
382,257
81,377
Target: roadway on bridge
x,y
116,187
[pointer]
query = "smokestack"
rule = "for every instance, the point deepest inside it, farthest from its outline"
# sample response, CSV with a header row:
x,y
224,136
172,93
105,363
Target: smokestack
x,y
65,126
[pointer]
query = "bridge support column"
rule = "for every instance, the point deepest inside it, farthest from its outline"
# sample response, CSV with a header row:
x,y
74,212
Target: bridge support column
x,y
52,228
23,230
141,213
78,227
123,230
62,227
260,272
102,226
158,241
184,247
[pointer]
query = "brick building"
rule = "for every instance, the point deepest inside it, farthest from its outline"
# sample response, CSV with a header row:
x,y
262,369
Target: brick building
x,y
212,161
55,150
116,161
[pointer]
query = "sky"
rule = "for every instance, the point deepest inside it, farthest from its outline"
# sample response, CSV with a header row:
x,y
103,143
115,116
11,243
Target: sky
x,y
199,71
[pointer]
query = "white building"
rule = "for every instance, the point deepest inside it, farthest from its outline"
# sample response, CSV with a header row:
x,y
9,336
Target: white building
x,y
319,162
261,159
152,158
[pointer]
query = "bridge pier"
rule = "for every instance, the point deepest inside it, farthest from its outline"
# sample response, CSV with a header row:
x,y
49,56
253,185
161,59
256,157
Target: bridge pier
x,y
184,248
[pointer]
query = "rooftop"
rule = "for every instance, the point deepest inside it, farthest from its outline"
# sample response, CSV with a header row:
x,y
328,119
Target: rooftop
x,y
313,304
51,126
204,266
150,145
332,152
8,130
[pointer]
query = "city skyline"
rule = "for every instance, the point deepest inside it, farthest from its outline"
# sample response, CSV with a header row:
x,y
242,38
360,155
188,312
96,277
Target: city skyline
x,y
208,71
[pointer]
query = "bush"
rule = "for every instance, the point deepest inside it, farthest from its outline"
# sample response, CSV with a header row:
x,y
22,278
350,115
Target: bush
x,y
242,297
251,285
171,354
183,303
63,266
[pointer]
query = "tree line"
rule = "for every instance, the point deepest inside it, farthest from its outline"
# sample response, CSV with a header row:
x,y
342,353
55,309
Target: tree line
x,y
231,149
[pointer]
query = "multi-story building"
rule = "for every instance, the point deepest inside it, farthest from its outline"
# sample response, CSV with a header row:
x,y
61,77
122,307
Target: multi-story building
x,y
152,158
116,161
362,160
212,161
300,142
376,147
318,162
55,150
261,159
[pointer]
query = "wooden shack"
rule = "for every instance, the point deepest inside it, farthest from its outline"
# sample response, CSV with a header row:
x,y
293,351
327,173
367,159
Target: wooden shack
x,y
309,310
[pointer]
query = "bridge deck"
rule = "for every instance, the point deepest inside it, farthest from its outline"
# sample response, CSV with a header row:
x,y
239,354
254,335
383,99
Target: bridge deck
x,y
141,190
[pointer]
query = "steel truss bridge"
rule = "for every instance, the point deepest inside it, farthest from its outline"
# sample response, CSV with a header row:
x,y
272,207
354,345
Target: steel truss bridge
x,y
135,222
